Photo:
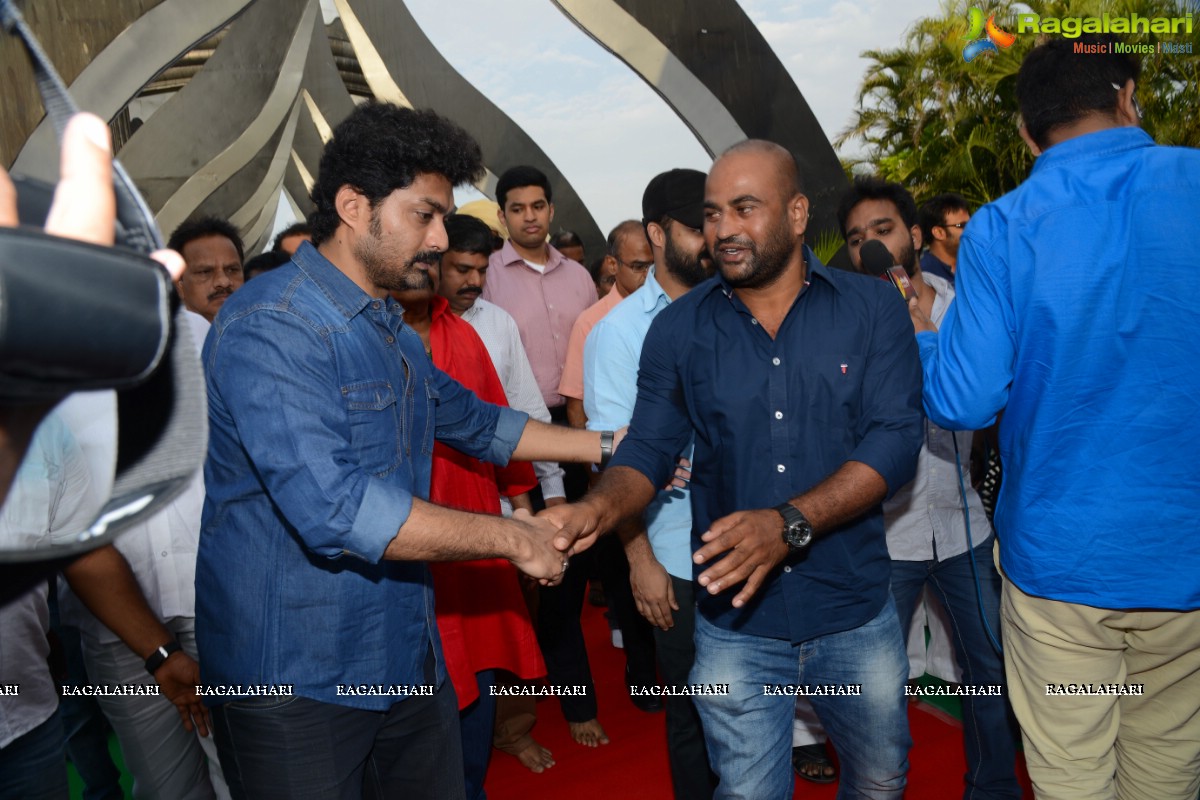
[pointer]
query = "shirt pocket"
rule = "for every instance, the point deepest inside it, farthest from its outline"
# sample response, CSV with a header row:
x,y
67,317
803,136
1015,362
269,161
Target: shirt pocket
x,y
374,427
432,398
835,383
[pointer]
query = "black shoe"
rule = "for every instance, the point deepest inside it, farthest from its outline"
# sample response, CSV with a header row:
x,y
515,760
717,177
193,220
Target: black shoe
x,y
650,703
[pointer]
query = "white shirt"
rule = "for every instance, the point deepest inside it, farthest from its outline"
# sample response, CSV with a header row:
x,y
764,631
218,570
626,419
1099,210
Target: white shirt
x,y
48,502
161,552
501,337
926,515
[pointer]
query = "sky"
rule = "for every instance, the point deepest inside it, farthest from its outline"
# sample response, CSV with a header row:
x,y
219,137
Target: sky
x,y
605,129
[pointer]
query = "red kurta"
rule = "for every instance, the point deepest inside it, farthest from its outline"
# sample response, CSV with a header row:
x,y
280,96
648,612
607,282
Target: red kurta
x,y
481,613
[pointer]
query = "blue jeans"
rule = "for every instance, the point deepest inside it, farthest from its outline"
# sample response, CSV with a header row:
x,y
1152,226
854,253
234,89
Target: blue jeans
x,y
293,748
988,725
749,733
33,767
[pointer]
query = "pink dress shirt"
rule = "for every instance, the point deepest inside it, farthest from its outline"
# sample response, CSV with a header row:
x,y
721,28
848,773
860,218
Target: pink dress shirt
x,y
545,306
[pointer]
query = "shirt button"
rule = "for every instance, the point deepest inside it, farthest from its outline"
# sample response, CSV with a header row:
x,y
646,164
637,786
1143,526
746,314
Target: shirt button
x,y
164,553
375,305
778,415
775,361
787,569
391,339
780,468
753,322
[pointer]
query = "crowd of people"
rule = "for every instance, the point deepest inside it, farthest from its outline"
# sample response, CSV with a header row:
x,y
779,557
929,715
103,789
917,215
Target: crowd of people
x,y
429,433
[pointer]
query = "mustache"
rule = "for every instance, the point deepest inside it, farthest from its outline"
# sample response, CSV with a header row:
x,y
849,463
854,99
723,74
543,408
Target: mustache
x,y
220,293
431,257
729,240
470,290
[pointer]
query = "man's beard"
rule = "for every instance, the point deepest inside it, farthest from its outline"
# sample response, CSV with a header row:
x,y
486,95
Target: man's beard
x,y
908,258
381,265
765,264
689,269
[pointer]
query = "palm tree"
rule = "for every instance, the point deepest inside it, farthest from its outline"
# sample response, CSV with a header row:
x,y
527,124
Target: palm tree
x,y
937,123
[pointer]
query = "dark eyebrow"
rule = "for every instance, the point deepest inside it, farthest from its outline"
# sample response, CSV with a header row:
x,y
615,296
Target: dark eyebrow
x,y
436,205
746,198
871,224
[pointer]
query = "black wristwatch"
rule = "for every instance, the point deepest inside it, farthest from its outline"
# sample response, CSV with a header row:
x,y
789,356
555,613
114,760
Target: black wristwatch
x,y
797,530
160,655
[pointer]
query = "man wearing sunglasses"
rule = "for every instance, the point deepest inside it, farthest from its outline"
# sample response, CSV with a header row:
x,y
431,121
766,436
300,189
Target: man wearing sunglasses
x,y
943,219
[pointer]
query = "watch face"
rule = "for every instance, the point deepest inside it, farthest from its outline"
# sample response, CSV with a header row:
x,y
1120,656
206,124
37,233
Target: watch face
x,y
799,535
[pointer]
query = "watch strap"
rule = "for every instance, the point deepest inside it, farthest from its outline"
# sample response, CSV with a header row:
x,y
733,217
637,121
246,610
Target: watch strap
x,y
160,655
606,447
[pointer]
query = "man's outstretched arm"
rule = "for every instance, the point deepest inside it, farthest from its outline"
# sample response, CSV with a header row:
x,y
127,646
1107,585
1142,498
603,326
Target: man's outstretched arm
x,y
621,492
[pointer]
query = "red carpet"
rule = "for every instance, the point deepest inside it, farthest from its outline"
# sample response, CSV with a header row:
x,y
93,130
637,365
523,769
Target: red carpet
x,y
634,763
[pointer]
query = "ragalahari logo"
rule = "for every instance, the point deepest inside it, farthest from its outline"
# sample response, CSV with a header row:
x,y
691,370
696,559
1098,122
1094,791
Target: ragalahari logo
x,y
984,38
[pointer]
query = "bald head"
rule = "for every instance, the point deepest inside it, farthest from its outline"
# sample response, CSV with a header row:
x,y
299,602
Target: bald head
x,y
755,214
782,162
630,255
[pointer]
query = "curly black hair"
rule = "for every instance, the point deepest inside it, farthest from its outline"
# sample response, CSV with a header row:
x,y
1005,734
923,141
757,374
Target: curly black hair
x,y
382,147
198,228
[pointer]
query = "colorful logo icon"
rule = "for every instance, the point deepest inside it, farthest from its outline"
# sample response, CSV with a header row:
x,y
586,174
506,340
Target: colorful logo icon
x,y
985,38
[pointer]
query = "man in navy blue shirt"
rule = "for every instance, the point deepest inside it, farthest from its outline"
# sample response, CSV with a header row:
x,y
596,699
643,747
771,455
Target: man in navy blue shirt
x,y
314,609
802,388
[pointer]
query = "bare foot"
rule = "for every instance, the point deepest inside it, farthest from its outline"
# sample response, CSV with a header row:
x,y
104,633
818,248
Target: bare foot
x,y
535,757
588,733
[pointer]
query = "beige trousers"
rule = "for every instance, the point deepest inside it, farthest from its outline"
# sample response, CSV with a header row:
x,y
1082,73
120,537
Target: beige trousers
x,y
1104,745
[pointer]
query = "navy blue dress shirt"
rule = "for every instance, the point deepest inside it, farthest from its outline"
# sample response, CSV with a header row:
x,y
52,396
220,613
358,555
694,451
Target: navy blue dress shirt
x,y
841,381
323,408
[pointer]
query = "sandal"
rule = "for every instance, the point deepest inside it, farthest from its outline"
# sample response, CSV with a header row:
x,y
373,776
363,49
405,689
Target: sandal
x,y
807,757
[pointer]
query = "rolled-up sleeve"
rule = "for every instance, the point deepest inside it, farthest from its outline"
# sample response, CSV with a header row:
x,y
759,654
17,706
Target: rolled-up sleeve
x,y
891,422
273,390
471,426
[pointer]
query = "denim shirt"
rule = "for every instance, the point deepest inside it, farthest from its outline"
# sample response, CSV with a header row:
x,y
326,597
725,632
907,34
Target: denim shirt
x,y
841,381
323,409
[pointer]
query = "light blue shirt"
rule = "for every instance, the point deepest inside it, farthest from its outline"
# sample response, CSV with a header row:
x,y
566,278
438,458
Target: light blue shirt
x,y
610,370
1078,313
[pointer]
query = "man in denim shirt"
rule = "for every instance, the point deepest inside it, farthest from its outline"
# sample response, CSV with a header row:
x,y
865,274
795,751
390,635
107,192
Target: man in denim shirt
x,y
323,409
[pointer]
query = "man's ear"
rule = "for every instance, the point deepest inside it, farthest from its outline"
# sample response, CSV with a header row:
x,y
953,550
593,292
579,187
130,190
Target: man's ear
x,y
798,209
656,235
500,216
1128,113
353,208
551,205
917,237
1029,142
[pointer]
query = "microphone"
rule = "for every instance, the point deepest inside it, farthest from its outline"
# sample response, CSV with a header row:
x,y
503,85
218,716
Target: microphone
x,y
877,261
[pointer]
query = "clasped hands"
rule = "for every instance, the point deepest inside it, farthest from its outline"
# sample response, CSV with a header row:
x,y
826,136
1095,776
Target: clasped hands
x,y
751,541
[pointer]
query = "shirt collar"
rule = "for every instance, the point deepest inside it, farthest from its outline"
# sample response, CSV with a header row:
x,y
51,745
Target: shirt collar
x,y
651,294
1090,145
345,294
438,306
509,256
